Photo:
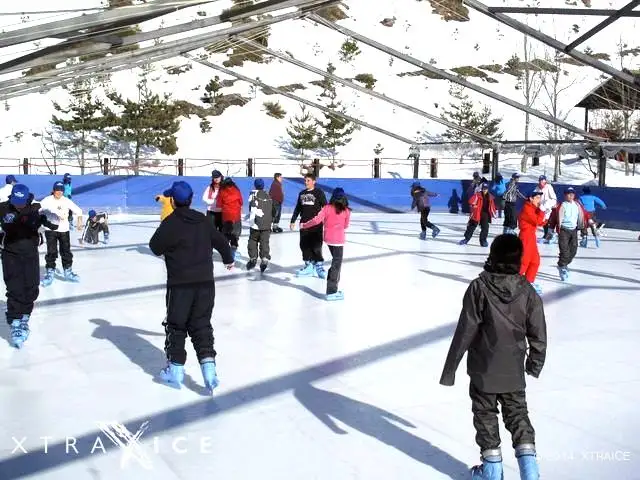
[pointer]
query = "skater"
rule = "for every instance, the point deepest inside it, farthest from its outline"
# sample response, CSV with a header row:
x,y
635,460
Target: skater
x,y
186,239
498,189
570,220
511,196
531,217
229,202
210,197
501,316
5,192
547,204
589,203
454,202
56,208
335,217
276,192
310,202
420,199
68,193
260,210
96,223
165,202
483,209
20,219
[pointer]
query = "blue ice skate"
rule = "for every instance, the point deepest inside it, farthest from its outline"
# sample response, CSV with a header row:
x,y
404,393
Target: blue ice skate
x,y
597,240
564,273
423,235
491,468
526,455
173,374
332,297
319,270
70,276
584,241
306,271
234,254
435,232
484,244
106,238
48,277
464,241
208,367
537,288
20,331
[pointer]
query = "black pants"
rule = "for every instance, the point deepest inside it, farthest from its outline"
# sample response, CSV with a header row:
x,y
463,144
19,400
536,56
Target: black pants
x,y
510,215
92,232
22,280
333,277
514,413
499,205
276,211
216,218
189,310
484,228
424,220
259,238
53,240
232,231
568,244
311,244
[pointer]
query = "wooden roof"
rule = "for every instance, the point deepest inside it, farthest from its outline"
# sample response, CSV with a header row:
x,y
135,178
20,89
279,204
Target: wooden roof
x,y
613,95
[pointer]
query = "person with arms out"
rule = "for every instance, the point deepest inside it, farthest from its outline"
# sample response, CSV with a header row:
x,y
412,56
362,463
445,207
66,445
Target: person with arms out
x,y
229,202
186,239
420,199
57,207
21,220
5,191
335,217
276,192
531,217
570,220
96,223
260,210
310,202
483,209
589,203
501,315
210,198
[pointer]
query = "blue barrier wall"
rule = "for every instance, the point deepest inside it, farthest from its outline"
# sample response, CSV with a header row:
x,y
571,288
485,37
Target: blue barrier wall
x,y
135,194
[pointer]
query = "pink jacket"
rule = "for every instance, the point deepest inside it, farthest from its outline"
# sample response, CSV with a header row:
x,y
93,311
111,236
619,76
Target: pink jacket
x,y
334,224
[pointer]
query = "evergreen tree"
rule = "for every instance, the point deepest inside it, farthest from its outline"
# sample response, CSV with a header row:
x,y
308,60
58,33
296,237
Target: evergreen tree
x,y
462,112
303,131
212,91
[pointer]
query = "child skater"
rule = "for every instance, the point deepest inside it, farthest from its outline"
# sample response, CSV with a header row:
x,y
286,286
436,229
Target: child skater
x,y
531,217
229,202
501,315
454,202
260,215
20,219
420,198
335,218
186,239
96,223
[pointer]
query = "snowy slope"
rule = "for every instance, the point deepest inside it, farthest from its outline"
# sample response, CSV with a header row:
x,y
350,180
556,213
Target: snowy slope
x,y
243,132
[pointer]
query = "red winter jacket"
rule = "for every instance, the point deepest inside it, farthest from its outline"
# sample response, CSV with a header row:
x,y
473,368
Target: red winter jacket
x,y
476,202
276,192
531,217
230,203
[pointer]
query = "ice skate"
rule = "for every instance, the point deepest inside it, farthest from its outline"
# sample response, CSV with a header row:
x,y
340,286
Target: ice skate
x,y
20,331
435,232
422,236
306,271
596,239
251,264
264,263
464,241
209,375
584,241
276,229
332,297
319,270
70,276
491,468
48,277
537,288
234,253
484,244
173,374
106,238
527,462
564,273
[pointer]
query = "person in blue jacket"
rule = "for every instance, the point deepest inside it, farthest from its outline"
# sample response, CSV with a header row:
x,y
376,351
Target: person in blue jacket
x,y
498,189
68,192
590,202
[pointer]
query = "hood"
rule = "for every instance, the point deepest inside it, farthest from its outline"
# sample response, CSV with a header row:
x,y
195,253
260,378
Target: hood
x,y
188,215
417,190
507,287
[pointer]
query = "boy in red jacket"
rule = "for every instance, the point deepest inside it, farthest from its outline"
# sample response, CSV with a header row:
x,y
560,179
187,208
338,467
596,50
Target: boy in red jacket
x,y
483,209
531,217
276,192
230,203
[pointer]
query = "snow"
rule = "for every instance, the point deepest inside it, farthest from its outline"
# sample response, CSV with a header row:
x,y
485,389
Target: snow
x,y
311,389
247,132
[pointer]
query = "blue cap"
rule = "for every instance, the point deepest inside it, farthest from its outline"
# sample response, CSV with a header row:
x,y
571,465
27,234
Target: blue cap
x,y
92,213
485,186
515,175
19,195
569,190
58,187
259,184
181,193
10,179
66,178
542,177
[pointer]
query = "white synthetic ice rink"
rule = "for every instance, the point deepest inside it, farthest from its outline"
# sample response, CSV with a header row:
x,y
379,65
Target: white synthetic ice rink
x,y
310,389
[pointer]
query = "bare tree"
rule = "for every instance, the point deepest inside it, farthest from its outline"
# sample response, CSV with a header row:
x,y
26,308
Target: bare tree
x,y
531,87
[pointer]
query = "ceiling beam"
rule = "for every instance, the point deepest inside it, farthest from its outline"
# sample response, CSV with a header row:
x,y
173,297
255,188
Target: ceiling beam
x,y
561,11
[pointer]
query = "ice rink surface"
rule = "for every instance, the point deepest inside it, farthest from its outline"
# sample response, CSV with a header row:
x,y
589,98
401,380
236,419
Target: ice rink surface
x,y
310,389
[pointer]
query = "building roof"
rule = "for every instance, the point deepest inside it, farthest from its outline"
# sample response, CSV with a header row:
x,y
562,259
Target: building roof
x,y
612,95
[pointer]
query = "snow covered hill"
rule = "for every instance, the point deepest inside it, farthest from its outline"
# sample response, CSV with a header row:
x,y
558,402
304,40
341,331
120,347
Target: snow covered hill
x,y
409,26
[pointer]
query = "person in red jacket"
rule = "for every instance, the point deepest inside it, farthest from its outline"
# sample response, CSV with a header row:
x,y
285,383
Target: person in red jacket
x,y
483,209
531,217
276,192
230,203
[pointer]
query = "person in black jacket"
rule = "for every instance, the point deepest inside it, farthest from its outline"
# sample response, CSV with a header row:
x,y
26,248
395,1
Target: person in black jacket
x,y
20,219
260,215
310,202
501,314
186,240
420,198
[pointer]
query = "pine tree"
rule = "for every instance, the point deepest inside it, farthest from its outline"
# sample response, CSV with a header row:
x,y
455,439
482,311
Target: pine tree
x,y
463,113
349,50
303,131
212,91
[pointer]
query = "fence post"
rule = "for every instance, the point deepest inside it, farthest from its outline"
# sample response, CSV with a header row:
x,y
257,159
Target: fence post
x,y
536,161
316,167
416,167
602,168
105,166
181,167
250,167
434,168
25,166
486,163
376,168
495,166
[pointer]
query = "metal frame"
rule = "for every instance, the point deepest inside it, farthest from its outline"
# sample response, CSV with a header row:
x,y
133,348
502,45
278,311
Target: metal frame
x,y
587,12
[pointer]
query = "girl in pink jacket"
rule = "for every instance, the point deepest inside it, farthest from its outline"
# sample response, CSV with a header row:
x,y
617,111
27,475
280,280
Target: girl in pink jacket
x,y
335,217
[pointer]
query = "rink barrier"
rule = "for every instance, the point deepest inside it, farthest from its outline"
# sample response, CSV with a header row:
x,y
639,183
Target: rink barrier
x,y
136,194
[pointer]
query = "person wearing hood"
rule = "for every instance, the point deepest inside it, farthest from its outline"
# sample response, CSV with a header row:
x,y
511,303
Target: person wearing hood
x,y
260,217
501,316
210,198
420,199
186,239
229,202
483,209
531,217
20,219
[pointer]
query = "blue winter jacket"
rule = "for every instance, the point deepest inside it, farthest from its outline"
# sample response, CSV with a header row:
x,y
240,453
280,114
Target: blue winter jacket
x,y
499,188
590,201
68,190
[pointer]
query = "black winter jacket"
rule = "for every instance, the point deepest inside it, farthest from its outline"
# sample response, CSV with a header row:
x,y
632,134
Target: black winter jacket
x,y
501,313
186,239
20,234
261,210
309,204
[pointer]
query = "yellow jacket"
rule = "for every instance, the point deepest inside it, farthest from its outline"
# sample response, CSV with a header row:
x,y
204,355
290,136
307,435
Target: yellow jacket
x,y
167,208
